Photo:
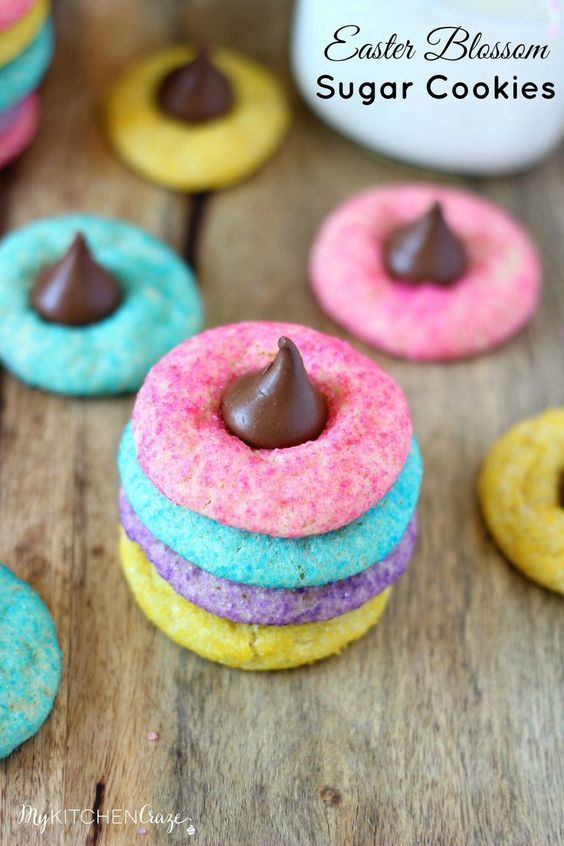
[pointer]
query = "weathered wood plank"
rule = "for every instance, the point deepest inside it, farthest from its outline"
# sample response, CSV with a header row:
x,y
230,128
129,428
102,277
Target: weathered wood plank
x,y
441,727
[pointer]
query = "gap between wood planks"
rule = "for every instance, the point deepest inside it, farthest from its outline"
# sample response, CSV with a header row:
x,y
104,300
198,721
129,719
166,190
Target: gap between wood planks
x,y
194,225
6,182
94,833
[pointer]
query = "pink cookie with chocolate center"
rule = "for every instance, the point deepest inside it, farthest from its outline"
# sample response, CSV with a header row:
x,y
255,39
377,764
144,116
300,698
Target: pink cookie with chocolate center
x,y
495,297
18,126
186,451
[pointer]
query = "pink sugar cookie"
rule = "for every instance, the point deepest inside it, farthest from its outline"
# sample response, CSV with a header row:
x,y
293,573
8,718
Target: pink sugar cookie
x,y
492,301
12,10
188,454
17,128
8,117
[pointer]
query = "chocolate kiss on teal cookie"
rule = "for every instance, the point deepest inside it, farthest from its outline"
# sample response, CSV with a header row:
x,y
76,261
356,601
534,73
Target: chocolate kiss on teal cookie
x,y
160,306
76,290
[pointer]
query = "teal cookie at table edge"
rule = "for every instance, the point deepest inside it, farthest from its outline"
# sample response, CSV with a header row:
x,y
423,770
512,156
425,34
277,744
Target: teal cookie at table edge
x,y
266,561
161,307
24,73
30,662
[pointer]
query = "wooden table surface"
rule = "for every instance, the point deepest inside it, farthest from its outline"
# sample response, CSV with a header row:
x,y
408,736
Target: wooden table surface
x,y
444,726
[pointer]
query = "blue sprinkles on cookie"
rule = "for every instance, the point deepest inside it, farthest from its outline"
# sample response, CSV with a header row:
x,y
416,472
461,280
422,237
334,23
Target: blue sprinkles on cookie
x,y
263,560
22,75
30,662
160,307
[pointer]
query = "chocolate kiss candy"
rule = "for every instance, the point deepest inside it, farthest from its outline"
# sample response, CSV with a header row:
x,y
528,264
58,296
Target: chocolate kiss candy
x,y
195,92
426,250
76,290
277,407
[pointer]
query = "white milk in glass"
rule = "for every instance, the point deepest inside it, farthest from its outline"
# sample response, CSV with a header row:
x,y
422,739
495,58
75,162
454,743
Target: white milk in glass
x,y
473,134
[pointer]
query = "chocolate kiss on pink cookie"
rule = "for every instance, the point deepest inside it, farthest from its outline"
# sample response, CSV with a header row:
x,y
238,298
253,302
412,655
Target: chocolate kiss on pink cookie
x,y
188,452
426,272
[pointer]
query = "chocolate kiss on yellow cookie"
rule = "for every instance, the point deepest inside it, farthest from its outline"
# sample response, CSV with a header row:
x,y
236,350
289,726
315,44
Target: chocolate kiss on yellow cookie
x,y
520,490
176,144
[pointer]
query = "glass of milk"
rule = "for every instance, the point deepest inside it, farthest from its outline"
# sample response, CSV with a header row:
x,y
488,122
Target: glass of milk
x,y
479,133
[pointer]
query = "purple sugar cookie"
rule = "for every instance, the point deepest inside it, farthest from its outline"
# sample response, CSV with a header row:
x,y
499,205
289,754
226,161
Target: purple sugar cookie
x,y
186,451
268,606
493,300
8,117
18,126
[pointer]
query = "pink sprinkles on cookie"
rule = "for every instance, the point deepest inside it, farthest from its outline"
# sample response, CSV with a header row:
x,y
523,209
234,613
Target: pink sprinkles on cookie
x,y
12,10
491,302
186,451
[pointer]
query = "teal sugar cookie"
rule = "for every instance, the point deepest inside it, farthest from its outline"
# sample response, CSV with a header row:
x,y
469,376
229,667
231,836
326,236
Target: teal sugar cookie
x,y
24,73
161,307
262,560
30,662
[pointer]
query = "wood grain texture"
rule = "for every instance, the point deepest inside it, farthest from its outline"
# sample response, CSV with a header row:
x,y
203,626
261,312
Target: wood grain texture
x,y
444,727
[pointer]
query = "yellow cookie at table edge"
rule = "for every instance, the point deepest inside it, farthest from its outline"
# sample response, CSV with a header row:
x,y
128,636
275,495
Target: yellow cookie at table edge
x,y
518,493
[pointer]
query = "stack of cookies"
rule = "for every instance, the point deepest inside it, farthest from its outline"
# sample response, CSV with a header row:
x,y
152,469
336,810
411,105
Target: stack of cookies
x,y
26,49
269,485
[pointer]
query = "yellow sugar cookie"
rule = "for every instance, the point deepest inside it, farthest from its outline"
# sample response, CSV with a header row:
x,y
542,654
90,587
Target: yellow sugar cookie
x,y
19,35
249,647
520,493
203,156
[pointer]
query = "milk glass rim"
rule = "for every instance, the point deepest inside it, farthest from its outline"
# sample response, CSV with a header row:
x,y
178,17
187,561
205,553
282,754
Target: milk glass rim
x,y
553,13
